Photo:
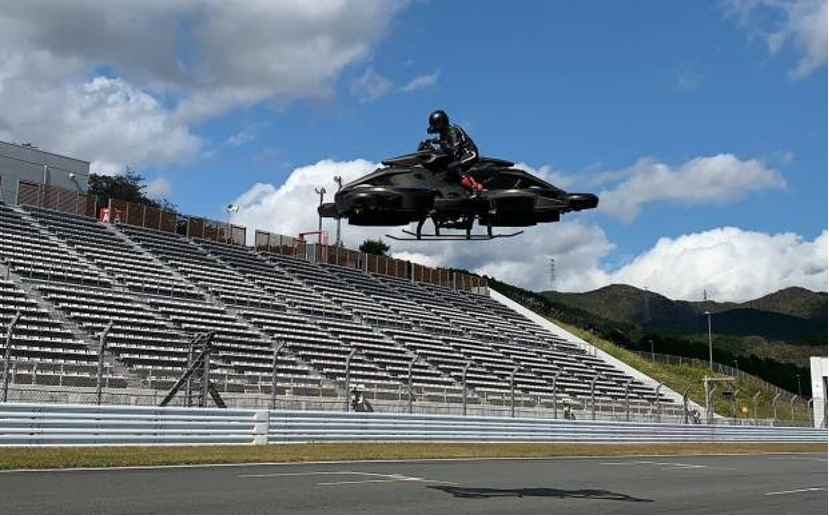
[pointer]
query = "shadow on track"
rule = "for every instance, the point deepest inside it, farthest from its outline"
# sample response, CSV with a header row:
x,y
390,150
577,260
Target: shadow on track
x,y
485,492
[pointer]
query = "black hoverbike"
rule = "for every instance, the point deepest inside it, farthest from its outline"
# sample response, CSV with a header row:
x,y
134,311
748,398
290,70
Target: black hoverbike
x,y
416,187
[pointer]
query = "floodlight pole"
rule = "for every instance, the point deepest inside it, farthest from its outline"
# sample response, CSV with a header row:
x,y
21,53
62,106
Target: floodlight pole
x,y
339,181
7,355
231,208
101,350
321,192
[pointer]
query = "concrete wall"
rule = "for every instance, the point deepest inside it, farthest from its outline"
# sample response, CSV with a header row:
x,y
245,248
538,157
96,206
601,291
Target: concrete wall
x,y
820,369
18,163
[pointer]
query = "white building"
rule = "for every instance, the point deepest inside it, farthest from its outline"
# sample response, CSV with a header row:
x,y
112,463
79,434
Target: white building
x,y
820,366
21,163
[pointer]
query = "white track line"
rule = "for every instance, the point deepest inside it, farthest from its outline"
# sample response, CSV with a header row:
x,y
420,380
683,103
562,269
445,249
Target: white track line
x,y
816,459
791,491
383,477
393,461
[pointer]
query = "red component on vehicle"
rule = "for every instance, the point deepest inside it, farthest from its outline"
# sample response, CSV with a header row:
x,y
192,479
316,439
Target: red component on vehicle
x,y
469,183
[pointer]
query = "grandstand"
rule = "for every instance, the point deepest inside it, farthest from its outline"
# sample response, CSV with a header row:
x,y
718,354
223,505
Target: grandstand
x,y
159,278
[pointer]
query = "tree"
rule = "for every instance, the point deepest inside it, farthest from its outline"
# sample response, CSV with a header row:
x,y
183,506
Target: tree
x,y
377,247
128,186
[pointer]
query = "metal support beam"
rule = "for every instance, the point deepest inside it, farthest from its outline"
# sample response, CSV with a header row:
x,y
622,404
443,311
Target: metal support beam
x,y
656,402
188,389
200,363
754,406
734,405
774,408
277,349
809,408
627,399
791,405
685,404
101,351
410,384
555,395
463,380
205,375
512,391
348,378
709,401
593,397
7,356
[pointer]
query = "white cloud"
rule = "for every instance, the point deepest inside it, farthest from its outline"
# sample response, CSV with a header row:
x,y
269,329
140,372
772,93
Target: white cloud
x,y
421,82
242,137
107,121
135,70
732,264
778,22
370,86
689,81
159,188
702,180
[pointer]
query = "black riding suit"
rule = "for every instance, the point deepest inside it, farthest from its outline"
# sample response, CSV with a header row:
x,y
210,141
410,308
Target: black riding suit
x,y
455,142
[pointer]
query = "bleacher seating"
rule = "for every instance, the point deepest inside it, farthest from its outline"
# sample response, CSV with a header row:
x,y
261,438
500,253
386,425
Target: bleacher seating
x,y
43,350
70,276
137,270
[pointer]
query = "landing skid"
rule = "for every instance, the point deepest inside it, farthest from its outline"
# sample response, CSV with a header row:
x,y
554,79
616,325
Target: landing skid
x,y
438,237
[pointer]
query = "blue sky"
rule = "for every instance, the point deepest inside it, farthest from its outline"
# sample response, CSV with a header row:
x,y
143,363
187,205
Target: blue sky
x,y
576,89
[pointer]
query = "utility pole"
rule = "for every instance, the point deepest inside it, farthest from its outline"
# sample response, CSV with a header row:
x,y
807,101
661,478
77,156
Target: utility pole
x,y
339,181
231,208
552,274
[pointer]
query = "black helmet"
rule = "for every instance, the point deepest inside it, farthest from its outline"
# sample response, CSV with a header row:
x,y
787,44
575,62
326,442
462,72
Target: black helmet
x,y
438,121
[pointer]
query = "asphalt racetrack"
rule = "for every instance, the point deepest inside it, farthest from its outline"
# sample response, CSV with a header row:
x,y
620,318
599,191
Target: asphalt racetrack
x,y
762,483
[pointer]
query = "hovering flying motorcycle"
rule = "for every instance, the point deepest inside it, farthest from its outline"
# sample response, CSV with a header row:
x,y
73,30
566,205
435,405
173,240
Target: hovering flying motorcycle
x,y
416,187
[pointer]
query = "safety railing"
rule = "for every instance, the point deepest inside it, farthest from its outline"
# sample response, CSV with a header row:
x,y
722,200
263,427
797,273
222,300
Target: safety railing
x,y
94,425
722,369
58,199
142,215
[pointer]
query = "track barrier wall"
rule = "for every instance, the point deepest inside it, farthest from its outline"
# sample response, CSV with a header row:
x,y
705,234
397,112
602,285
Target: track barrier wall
x,y
98,425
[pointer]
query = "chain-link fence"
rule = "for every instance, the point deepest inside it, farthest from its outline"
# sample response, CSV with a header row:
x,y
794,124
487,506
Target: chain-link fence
x,y
718,368
301,396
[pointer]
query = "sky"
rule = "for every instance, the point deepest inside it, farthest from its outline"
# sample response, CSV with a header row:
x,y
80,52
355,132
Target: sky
x,y
701,125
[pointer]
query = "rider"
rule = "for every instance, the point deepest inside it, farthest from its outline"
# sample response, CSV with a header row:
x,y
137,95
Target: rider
x,y
454,141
